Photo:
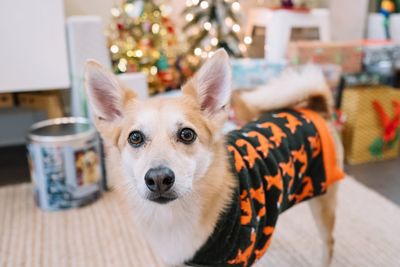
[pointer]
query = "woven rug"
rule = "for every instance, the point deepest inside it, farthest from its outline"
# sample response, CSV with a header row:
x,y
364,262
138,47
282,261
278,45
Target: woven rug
x,y
367,233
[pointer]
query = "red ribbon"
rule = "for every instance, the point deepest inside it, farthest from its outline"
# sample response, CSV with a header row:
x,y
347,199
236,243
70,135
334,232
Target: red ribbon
x,y
390,126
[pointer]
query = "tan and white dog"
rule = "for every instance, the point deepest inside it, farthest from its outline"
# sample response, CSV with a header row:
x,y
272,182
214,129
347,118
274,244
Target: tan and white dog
x,y
170,153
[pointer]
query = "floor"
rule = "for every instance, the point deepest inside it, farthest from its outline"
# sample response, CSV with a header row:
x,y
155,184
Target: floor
x,y
383,177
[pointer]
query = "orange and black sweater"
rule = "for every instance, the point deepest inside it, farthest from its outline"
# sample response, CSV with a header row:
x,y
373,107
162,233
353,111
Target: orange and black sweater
x,y
283,158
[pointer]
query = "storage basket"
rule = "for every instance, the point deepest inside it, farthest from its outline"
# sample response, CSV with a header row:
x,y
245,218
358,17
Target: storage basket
x,y
363,124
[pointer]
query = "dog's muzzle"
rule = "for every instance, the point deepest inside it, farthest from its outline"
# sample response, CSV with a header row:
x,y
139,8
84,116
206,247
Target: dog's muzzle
x,y
159,181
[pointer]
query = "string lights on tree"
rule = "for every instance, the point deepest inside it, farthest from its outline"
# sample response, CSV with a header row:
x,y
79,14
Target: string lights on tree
x,y
213,24
142,38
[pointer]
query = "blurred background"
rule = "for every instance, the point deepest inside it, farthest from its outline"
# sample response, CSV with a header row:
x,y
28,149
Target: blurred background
x,y
49,147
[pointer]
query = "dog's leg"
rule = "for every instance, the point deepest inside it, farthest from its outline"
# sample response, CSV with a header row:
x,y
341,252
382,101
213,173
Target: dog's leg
x,y
323,209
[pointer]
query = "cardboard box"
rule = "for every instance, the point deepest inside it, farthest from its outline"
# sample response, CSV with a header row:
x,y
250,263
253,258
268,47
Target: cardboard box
x,y
348,55
47,101
6,100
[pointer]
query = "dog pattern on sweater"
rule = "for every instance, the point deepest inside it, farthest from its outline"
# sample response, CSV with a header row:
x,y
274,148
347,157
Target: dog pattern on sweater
x,y
279,162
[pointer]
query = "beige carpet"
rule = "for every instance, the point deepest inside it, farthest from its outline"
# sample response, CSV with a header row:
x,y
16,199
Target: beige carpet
x,y
368,233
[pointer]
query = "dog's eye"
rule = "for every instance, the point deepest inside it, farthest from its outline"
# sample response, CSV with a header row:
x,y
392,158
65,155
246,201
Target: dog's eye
x,y
187,136
136,139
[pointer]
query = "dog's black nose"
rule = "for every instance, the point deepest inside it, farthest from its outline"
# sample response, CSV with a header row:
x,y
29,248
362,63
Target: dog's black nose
x,y
159,180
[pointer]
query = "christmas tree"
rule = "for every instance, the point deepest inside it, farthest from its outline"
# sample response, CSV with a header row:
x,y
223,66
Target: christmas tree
x,y
212,24
142,38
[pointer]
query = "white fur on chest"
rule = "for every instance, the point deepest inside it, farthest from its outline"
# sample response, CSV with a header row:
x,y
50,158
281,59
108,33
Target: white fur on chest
x,y
173,232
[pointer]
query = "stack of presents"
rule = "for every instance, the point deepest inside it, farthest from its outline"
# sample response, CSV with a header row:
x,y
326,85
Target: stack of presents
x,y
365,80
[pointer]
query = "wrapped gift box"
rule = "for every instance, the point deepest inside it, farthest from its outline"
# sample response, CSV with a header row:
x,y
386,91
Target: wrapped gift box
x,y
363,125
382,58
364,79
47,101
346,54
360,80
249,73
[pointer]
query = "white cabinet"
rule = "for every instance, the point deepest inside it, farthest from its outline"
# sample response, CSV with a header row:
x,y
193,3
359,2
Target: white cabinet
x,y
33,47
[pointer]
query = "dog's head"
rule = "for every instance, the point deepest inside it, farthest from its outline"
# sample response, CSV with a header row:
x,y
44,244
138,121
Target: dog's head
x,y
163,146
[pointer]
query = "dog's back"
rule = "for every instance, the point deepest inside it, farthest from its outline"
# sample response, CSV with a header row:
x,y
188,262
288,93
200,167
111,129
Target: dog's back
x,y
279,162
304,88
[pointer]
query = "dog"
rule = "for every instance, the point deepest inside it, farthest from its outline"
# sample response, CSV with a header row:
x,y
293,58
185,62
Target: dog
x,y
172,159
87,165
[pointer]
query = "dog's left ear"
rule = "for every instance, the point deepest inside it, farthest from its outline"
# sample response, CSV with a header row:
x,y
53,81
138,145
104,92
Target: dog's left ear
x,y
211,86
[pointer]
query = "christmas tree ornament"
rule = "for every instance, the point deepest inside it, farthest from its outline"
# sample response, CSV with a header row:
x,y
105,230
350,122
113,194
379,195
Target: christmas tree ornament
x,y
142,38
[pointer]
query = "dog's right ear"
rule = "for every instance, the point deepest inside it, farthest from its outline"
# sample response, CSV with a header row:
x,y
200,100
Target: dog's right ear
x,y
104,92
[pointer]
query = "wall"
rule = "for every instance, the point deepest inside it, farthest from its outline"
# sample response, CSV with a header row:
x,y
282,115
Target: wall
x,y
90,7
348,19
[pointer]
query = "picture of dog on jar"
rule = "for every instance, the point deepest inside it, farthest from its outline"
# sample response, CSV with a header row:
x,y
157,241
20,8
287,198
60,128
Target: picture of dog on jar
x,y
87,163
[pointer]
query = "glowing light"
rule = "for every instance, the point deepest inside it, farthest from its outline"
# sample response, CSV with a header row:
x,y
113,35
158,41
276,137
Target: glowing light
x,y
195,2
207,25
130,53
189,17
114,49
248,40
204,4
198,51
210,54
139,53
129,7
236,6
153,70
122,64
115,12
122,67
155,28
214,41
236,28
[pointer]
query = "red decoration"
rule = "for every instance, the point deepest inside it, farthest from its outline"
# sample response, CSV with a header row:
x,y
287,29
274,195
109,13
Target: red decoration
x,y
120,26
390,126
